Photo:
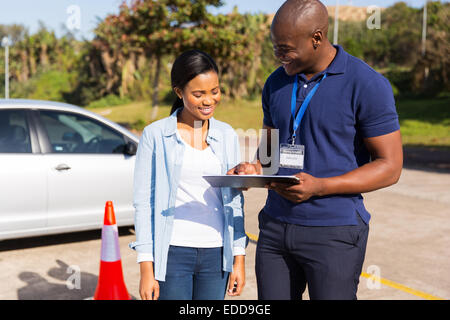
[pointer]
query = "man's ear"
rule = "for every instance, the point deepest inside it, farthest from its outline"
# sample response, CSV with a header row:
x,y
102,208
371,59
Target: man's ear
x,y
317,38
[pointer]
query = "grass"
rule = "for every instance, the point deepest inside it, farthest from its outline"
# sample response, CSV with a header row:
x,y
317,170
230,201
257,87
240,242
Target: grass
x,y
131,113
239,114
423,122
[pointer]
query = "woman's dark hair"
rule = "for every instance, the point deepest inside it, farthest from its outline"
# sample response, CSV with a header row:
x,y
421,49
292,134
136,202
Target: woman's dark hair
x,y
186,67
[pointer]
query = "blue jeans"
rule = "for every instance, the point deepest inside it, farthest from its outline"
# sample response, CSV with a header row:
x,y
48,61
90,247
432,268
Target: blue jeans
x,y
194,274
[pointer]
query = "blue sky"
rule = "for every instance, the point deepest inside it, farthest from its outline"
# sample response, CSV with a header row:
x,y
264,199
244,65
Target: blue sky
x,y
54,12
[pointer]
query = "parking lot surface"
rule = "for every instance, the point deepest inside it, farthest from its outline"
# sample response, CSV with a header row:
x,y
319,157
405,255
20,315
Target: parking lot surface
x,y
407,249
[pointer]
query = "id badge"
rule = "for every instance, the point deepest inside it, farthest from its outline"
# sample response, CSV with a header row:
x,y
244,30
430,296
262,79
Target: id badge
x,y
292,156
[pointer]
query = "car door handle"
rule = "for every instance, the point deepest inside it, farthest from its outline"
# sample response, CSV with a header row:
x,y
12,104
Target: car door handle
x,y
62,167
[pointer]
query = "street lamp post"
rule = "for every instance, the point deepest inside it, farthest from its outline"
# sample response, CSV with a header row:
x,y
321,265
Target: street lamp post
x,y
424,38
6,42
336,23
424,29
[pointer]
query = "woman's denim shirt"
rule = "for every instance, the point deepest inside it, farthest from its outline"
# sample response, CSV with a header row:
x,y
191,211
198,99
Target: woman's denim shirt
x,y
156,176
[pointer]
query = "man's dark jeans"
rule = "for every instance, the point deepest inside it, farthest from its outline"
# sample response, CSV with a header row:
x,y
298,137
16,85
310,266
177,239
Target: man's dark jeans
x,y
328,259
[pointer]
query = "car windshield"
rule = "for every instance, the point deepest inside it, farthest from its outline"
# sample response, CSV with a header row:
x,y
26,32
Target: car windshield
x,y
81,127
75,133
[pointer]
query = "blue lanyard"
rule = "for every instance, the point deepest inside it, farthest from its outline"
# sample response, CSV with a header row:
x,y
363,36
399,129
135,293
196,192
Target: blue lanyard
x,y
304,106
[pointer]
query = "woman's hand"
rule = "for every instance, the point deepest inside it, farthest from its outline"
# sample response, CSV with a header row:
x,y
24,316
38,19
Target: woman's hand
x,y
237,278
148,286
246,168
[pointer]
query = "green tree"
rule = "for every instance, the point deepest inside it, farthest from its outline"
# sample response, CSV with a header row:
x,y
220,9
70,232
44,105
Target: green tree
x,y
430,73
155,28
158,29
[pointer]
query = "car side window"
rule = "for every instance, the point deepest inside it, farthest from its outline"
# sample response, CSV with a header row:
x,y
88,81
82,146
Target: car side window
x,y
14,132
74,133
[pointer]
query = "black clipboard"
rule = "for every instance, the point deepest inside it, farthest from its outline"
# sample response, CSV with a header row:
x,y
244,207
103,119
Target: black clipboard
x,y
248,181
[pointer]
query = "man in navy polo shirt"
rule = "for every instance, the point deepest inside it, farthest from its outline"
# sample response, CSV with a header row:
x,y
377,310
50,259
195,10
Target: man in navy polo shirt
x,y
339,133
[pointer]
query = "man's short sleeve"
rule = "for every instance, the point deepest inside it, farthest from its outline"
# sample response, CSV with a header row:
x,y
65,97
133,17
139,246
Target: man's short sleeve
x,y
266,106
376,113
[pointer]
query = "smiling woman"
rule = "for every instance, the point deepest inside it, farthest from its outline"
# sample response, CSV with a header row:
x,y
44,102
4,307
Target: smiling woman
x,y
189,65
185,218
195,81
200,96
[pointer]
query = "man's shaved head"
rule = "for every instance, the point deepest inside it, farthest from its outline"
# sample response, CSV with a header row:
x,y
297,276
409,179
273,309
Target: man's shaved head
x,y
309,15
299,36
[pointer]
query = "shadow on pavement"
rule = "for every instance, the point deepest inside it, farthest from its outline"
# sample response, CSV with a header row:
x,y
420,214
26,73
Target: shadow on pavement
x,y
78,285
433,159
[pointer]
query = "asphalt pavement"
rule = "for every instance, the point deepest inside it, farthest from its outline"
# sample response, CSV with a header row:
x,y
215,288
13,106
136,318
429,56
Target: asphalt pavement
x,y
407,249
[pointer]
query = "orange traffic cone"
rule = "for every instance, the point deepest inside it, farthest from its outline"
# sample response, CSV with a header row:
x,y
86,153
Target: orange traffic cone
x,y
110,285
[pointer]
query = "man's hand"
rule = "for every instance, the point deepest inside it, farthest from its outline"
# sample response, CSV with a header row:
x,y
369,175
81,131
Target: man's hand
x,y
383,171
308,187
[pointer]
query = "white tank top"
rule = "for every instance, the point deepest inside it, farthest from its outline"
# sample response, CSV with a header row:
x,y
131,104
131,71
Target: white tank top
x,y
198,217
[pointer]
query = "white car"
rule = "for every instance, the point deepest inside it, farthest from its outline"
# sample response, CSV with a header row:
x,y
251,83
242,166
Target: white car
x,y
59,164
